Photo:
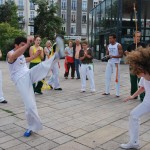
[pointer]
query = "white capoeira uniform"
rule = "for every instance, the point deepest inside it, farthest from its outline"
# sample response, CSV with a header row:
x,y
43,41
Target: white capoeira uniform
x,y
139,111
23,79
54,78
87,69
113,67
1,90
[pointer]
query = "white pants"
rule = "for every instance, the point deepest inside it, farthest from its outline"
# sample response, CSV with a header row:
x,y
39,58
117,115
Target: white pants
x,y
112,69
1,91
87,69
135,114
54,79
25,87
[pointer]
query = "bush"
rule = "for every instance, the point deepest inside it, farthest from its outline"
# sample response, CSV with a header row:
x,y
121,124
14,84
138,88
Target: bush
x,y
7,36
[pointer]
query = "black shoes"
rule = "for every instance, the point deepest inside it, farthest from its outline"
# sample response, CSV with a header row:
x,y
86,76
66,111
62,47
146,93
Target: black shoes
x,y
38,92
106,94
4,102
59,89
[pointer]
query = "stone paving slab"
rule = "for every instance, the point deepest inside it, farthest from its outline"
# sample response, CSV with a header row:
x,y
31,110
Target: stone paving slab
x,y
72,120
100,136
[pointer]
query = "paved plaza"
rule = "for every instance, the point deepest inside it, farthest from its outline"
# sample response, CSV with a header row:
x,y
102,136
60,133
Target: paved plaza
x,y
71,120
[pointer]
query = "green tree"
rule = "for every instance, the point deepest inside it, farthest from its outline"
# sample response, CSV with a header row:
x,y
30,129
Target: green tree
x,y
7,36
8,13
47,23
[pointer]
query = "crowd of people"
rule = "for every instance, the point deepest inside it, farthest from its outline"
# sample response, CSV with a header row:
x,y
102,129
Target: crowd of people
x,y
78,58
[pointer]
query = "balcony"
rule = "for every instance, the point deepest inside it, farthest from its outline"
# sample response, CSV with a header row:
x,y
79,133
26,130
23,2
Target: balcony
x,y
64,20
84,21
73,21
20,7
32,7
73,8
63,7
31,33
31,21
84,9
21,20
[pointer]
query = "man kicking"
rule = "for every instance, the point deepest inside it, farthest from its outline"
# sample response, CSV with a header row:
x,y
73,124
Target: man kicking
x,y
24,78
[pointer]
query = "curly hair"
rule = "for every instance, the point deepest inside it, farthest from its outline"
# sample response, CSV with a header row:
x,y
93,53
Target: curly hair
x,y
139,60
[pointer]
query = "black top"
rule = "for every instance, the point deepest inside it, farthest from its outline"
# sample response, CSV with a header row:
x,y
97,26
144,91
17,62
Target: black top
x,y
86,60
132,46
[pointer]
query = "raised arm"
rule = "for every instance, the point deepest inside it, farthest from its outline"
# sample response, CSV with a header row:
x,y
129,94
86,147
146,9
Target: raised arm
x,y
11,57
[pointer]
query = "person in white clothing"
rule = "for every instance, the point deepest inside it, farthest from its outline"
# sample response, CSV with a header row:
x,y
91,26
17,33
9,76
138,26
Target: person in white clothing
x,y
47,49
139,60
114,52
2,99
53,81
85,56
23,77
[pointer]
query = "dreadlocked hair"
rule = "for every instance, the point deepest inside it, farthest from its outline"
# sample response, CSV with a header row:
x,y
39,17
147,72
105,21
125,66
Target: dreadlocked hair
x,y
139,60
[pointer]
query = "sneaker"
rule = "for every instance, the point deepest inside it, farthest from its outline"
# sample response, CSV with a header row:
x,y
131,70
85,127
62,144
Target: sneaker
x,y
4,102
130,146
59,89
106,94
27,133
39,92
82,91
92,91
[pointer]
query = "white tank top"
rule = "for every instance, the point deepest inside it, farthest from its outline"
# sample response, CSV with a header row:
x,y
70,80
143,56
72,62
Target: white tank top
x,y
18,68
113,50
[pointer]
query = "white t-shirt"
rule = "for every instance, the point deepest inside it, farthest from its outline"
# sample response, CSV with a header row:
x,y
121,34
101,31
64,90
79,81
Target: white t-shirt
x,y
18,68
113,50
70,51
47,51
146,84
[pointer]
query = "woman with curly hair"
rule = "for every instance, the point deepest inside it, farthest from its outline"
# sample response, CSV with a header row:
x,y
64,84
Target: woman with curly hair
x,y
140,62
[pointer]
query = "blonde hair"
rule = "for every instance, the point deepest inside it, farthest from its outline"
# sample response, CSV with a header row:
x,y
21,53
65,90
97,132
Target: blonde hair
x,y
48,42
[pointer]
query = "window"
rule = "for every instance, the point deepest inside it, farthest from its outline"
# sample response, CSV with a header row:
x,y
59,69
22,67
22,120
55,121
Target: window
x,y
31,30
73,16
31,14
73,30
84,30
64,29
31,19
74,4
84,5
63,4
20,13
63,15
32,6
20,2
51,2
1,2
95,4
84,18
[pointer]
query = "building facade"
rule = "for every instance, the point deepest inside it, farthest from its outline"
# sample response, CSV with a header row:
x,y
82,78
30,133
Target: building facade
x,y
73,12
118,16
75,16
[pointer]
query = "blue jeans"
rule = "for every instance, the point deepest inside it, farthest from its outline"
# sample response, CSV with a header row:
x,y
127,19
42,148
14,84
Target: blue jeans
x,y
77,63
